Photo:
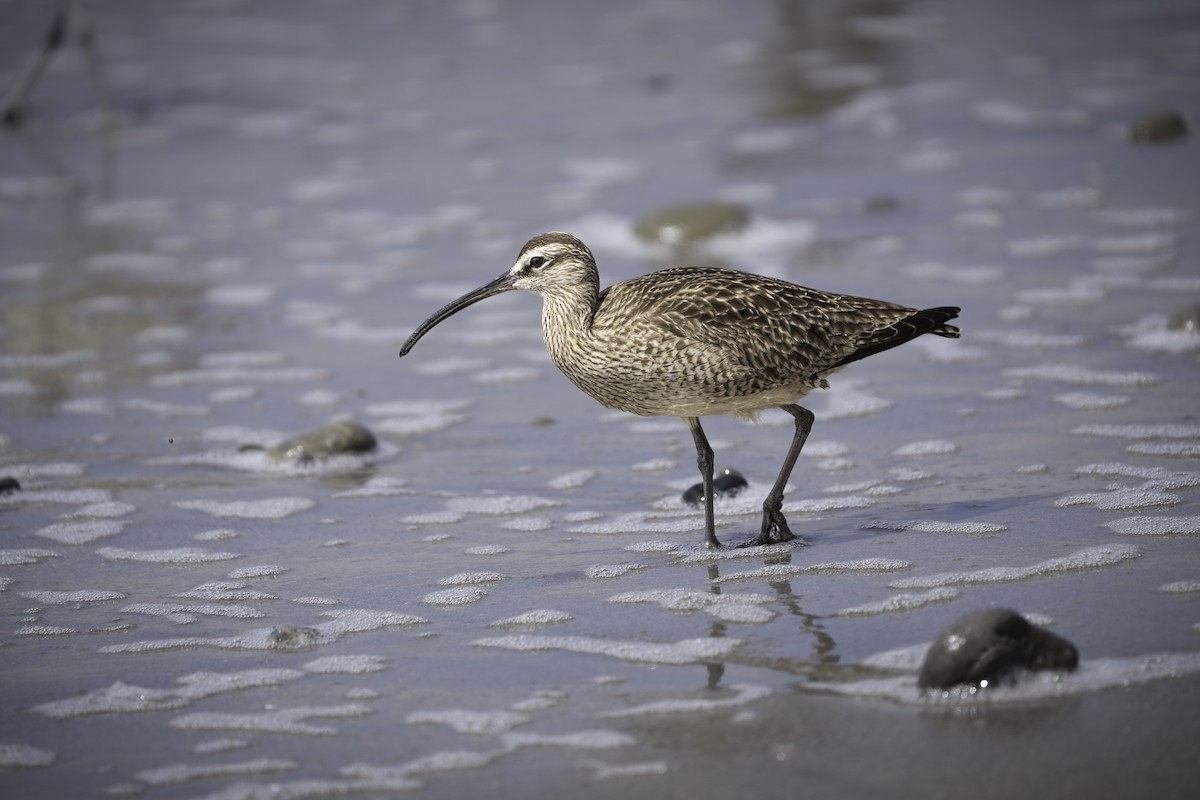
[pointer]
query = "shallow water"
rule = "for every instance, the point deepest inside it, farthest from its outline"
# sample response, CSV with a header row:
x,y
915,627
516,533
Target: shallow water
x,y
509,594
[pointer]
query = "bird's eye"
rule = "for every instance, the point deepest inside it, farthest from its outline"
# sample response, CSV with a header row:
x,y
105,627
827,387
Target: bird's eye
x,y
536,261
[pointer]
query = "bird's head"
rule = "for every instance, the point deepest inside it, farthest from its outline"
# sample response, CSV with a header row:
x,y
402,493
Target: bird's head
x,y
550,264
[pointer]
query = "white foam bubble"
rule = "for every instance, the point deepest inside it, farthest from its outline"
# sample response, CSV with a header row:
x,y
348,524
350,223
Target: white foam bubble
x,y
654,465
1075,374
957,273
458,596
743,694
182,773
688,651
283,720
107,509
452,365
19,556
499,504
641,522
65,496
45,630
64,360
1026,338
900,602
469,578
1046,245
216,535
13,754
318,398
1079,291
929,156
508,375
606,771
742,607
1088,400
99,406
487,550
225,590
76,597
347,664
1092,675
17,387
571,480
848,399
1180,587
1181,449
773,572
243,358
434,518
473,722
376,486
134,212
937,526
272,508
539,616
239,375
583,740
1164,478
80,532
171,555
1125,498
220,745
341,622
125,698
133,262
604,571
1157,526
1011,114
929,447
258,571
317,600
653,546
185,614
1152,333
531,524
1167,431
1086,558
164,409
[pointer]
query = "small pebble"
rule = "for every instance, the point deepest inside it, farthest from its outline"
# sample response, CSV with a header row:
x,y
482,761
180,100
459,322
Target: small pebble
x,y
9,484
728,483
1187,321
690,222
336,438
1164,126
990,645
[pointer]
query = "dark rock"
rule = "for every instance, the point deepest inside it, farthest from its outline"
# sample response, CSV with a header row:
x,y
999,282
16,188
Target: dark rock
x,y
986,646
336,438
1186,321
9,484
292,637
1164,126
690,222
727,483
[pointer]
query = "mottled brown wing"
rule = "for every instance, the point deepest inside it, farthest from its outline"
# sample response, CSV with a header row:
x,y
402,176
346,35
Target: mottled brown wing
x,y
776,329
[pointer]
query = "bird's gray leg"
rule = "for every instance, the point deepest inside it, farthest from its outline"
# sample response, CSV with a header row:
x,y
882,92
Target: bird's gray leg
x,y
704,460
774,525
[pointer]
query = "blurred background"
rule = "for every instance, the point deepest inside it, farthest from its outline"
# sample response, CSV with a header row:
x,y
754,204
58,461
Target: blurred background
x,y
219,219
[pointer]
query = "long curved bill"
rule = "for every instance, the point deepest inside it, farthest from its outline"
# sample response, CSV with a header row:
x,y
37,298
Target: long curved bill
x,y
498,286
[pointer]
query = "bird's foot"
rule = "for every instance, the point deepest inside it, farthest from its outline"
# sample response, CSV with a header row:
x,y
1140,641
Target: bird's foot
x,y
712,543
775,530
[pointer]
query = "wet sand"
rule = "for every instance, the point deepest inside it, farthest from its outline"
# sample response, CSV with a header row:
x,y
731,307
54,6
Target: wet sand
x,y
508,594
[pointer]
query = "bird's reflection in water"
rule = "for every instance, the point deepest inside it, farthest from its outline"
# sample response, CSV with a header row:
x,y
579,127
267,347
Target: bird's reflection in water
x,y
824,658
